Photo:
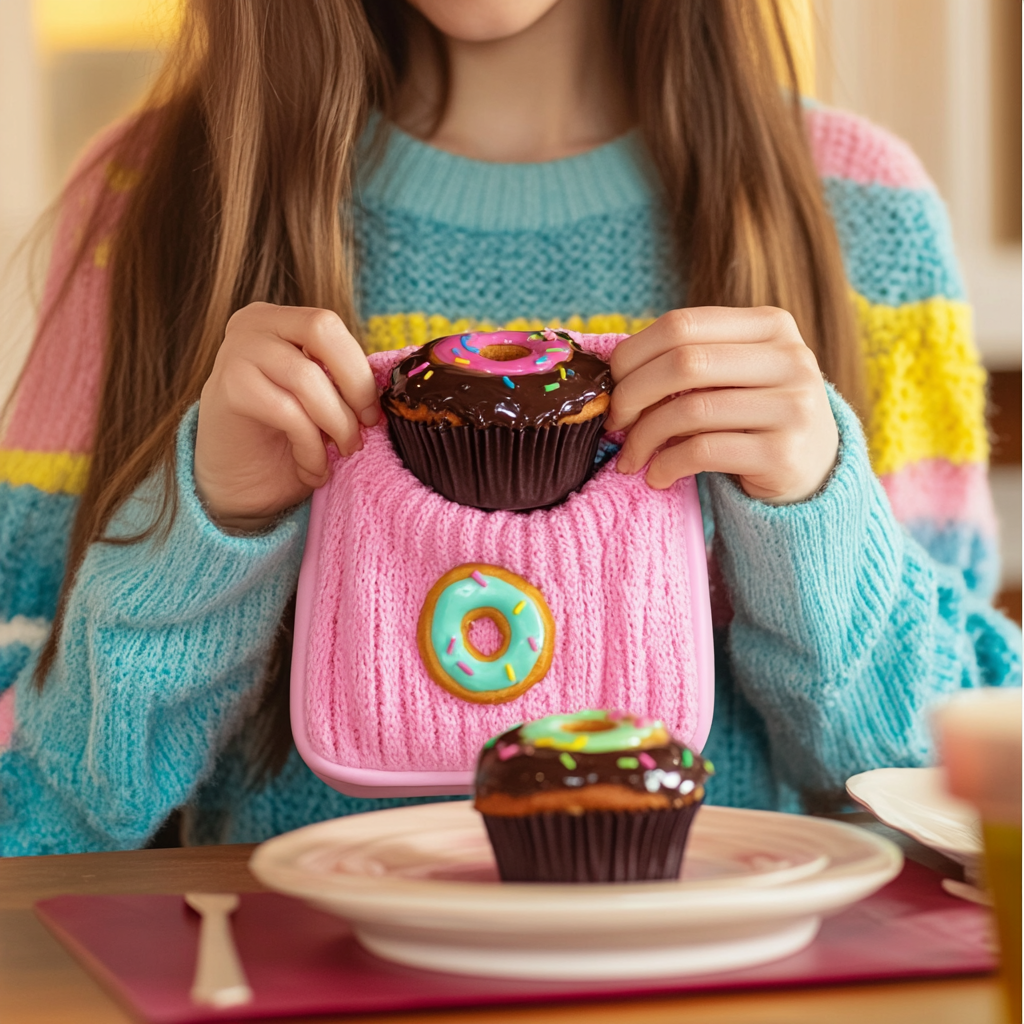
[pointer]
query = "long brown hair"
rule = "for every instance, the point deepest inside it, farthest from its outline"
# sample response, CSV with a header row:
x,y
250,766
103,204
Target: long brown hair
x,y
246,150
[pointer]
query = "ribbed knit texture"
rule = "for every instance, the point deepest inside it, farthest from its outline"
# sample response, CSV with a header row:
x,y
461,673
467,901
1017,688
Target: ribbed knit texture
x,y
840,620
612,561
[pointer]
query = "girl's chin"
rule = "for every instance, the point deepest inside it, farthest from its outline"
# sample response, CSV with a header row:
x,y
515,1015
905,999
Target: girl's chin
x,y
482,21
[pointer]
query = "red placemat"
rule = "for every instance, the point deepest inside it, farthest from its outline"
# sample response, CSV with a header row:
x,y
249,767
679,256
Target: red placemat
x,y
302,961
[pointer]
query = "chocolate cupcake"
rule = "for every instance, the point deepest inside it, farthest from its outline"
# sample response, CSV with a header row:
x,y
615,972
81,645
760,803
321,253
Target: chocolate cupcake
x,y
504,420
594,796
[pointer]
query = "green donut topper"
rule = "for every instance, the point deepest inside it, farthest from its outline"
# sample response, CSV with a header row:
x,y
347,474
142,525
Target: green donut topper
x,y
592,731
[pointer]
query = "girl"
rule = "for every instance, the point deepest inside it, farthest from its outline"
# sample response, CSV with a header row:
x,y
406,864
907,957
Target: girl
x,y
313,180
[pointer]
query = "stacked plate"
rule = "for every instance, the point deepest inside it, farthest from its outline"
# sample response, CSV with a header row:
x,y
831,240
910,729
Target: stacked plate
x,y
419,886
915,801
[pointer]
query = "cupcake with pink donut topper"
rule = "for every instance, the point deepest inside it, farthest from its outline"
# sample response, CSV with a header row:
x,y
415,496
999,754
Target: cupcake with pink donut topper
x,y
500,420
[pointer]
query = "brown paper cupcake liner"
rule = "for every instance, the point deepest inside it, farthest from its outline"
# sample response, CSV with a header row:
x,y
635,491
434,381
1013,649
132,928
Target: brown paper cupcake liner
x,y
596,846
499,467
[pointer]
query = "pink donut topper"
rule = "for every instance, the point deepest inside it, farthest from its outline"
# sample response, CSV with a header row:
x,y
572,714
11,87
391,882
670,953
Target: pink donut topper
x,y
480,351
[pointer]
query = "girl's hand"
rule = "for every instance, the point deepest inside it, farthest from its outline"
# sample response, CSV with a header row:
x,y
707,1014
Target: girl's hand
x,y
269,407
722,390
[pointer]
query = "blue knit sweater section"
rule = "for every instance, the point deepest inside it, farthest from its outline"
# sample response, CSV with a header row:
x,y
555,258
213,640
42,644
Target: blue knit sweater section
x,y
845,629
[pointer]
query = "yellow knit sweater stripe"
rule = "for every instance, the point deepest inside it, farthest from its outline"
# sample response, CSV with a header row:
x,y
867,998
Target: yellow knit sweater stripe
x,y
925,384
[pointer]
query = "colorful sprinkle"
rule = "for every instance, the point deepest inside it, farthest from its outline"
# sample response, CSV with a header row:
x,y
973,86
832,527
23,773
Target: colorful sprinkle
x,y
628,763
418,369
475,574
687,759
543,359
459,359
504,753
556,350
510,672
465,668
451,646
709,768
647,761
508,383
561,372
518,608
533,644
551,387
572,373
428,375
466,345
568,761
490,743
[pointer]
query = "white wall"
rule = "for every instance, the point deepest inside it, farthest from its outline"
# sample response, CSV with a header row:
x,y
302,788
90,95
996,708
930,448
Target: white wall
x,y
23,174
922,69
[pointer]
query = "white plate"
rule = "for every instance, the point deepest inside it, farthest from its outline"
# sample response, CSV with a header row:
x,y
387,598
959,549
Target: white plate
x,y
419,886
915,801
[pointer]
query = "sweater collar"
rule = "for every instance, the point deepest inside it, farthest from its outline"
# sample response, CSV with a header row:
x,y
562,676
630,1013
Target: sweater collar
x,y
410,176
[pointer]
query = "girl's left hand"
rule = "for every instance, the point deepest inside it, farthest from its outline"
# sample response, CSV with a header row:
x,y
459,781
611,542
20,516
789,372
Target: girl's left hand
x,y
723,390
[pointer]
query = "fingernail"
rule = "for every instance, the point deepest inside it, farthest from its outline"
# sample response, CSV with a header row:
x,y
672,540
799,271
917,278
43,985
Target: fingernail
x,y
624,466
370,415
351,449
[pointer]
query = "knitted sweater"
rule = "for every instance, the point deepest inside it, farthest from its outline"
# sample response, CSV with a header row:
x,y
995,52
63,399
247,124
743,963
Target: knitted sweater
x,y
839,620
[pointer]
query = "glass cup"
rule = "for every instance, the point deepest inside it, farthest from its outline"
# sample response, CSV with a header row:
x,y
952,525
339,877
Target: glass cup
x,y
979,738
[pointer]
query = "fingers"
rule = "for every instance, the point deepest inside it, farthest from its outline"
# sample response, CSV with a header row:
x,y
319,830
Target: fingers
x,y
700,325
705,347
730,409
286,367
322,334
281,410
743,455
699,367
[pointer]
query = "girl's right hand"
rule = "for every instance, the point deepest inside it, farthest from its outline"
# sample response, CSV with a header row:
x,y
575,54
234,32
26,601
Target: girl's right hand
x,y
268,409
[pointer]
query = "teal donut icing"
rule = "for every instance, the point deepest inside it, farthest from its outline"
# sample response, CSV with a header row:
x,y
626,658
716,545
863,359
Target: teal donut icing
x,y
618,733
464,596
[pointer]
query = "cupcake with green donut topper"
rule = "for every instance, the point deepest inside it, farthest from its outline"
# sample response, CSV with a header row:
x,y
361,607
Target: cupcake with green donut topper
x,y
592,796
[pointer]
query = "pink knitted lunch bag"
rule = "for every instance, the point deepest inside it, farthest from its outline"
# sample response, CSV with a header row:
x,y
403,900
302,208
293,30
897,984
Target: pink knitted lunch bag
x,y
601,602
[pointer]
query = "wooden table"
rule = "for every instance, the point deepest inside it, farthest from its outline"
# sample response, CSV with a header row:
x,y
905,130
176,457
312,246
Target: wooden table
x,y
41,982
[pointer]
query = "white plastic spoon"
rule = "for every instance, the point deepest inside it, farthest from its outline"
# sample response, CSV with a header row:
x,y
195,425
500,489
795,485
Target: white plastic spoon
x,y
220,980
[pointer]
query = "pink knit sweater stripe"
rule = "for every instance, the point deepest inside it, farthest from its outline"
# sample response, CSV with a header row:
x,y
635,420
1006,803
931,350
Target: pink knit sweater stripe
x,y
846,146
944,494
58,395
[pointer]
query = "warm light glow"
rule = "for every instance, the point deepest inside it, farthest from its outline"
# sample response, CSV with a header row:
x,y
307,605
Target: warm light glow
x,y
104,24
798,22
127,24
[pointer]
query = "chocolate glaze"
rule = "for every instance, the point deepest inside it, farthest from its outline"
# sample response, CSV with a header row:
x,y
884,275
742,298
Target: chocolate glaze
x,y
484,400
540,769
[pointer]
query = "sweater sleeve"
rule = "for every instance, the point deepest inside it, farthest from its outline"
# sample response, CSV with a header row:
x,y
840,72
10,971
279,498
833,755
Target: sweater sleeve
x,y
164,644
47,431
846,630
926,431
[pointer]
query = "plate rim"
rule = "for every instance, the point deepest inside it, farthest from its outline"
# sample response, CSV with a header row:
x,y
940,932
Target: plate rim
x,y
273,864
953,850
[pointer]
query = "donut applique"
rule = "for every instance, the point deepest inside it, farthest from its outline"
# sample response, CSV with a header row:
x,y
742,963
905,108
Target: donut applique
x,y
516,607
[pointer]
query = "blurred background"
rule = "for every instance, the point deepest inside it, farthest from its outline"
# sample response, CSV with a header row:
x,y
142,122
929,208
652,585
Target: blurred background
x,y
943,74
